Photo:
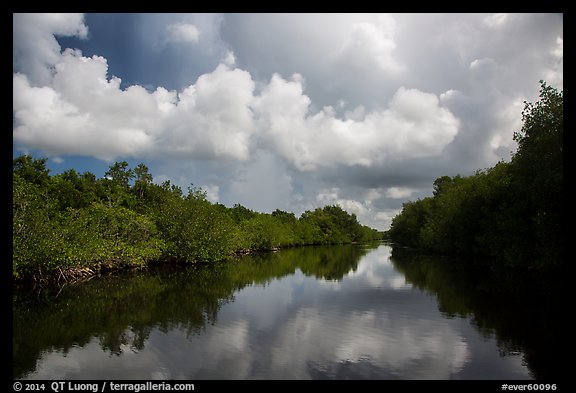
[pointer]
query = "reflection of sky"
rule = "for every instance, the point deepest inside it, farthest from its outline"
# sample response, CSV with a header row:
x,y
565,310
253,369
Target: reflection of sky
x,y
371,324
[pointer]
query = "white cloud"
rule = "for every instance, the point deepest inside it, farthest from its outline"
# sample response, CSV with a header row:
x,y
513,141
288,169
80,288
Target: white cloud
x,y
399,192
213,118
508,121
218,116
84,112
414,125
182,32
330,197
370,45
383,219
363,208
212,191
386,103
554,75
230,59
35,49
558,50
495,20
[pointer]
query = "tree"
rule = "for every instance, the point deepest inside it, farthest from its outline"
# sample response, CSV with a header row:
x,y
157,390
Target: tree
x,y
143,180
284,217
116,185
443,183
406,227
120,174
70,221
511,212
31,169
538,172
34,233
240,213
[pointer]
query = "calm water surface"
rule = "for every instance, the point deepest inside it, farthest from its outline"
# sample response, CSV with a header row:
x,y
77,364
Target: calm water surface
x,y
340,312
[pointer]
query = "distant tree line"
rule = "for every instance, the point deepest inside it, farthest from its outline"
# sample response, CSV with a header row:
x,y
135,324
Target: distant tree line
x,y
72,223
510,213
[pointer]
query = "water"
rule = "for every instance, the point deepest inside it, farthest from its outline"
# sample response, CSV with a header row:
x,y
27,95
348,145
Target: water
x,y
340,312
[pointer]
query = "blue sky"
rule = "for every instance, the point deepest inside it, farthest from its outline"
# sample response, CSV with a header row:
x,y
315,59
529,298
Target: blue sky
x,y
288,111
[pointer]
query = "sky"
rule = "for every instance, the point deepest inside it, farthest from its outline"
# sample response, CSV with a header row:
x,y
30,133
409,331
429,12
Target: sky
x,y
282,111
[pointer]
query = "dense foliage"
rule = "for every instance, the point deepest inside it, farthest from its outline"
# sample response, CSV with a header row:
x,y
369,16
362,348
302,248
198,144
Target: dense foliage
x,y
511,212
75,221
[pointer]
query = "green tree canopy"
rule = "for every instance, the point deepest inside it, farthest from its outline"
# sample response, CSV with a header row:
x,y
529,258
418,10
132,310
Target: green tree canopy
x,y
511,212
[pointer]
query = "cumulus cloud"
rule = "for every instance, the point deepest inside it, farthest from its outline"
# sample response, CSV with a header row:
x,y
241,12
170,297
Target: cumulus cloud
x,y
331,197
35,49
495,20
230,59
399,192
182,32
87,112
212,191
555,73
84,112
414,125
47,122
370,46
373,106
212,117
364,204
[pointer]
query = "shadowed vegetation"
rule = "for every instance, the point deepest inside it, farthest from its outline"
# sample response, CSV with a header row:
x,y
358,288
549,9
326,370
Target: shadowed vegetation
x,y
510,213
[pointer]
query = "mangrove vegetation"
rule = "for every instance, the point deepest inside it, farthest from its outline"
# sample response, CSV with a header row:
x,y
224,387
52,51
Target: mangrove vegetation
x,y
73,224
508,215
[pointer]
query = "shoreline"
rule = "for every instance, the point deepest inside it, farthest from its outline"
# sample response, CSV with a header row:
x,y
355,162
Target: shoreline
x,y
60,277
